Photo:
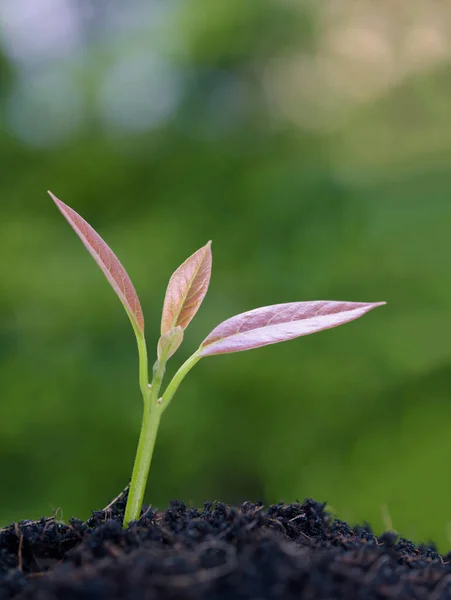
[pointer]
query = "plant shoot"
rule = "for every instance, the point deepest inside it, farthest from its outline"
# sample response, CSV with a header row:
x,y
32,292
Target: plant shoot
x,y
184,295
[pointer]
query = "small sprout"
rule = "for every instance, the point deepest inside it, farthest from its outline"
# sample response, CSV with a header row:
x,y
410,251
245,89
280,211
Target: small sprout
x,y
184,295
169,343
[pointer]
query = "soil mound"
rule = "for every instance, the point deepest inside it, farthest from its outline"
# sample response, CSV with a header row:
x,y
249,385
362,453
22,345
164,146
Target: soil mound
x,y
250,552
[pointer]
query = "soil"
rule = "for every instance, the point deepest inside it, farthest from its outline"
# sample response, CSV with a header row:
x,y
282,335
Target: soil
x,y
248,552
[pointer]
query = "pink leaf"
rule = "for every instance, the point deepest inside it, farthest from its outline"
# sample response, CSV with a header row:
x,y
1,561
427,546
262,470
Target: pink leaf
x,y
107,261
280,322
186,290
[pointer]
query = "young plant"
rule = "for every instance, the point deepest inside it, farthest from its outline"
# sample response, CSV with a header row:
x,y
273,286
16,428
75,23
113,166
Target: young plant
x,y
185,292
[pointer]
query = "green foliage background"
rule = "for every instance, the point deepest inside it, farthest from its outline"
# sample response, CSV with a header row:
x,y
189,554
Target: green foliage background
x,y
309,188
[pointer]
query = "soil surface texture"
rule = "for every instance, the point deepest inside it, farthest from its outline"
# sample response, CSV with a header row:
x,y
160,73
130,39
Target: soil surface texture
x,y
250,552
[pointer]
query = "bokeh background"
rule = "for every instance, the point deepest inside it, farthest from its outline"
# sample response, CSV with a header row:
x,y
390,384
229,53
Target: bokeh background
x,y
311,141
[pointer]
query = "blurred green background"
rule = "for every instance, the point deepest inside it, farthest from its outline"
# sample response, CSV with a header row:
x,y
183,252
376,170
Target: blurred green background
x,y
311,141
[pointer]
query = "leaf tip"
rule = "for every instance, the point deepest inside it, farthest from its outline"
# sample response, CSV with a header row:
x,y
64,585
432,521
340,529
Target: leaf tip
x,y
207,247
56,200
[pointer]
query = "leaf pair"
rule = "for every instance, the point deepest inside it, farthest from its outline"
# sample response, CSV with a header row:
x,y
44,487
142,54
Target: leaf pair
x,y
187,286
186,291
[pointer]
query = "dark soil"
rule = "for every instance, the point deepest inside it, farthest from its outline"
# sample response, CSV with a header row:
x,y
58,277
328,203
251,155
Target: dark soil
x,y
219,553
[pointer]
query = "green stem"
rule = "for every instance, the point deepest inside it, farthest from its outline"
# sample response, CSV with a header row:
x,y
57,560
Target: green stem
x,y
143,363
146,444
178,378
153,409
149,429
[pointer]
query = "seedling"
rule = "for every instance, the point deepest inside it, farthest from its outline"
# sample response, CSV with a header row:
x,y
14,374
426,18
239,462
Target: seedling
x,y
184,295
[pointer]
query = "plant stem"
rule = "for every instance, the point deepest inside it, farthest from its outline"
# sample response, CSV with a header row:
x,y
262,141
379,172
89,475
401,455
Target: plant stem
x,y
178,378
143,364
146,444
153,409
149,429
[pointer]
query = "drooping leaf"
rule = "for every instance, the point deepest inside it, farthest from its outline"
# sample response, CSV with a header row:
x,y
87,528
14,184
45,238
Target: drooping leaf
x,y
280,322
186,290
169,343
107,261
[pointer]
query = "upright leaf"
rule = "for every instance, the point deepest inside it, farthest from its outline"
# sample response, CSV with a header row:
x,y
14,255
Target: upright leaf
x,y
107,261
186,290
280,322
